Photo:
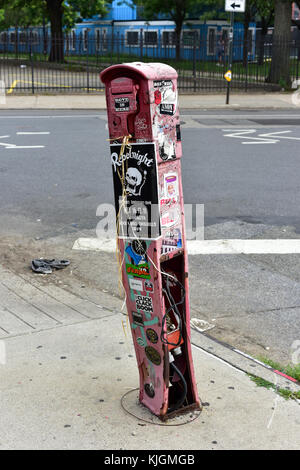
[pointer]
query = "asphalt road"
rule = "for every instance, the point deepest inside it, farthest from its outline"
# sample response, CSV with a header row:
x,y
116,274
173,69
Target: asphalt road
x,y
243,166
236,178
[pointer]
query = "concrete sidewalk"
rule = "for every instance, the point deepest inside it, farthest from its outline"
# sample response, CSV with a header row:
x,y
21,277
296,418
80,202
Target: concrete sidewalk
x,y
70,379
194,101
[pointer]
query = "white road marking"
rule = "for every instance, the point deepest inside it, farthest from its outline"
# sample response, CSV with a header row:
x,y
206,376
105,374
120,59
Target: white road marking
x,y
12,146
275,134
207,247
33,133
243,134
8,146
238,246
269,138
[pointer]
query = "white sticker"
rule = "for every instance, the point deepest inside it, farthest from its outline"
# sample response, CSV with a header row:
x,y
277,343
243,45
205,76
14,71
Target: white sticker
x,y
136,284
171,185
170,218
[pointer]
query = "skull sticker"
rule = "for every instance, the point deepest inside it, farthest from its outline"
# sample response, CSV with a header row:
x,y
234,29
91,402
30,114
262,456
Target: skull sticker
x,y
135,181
136,190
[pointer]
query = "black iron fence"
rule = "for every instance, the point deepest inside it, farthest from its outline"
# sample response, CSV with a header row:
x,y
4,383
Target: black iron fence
x,y
41,64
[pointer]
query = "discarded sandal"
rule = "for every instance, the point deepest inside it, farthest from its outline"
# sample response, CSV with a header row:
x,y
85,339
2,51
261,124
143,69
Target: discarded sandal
x,y
57,263
46,266
40,267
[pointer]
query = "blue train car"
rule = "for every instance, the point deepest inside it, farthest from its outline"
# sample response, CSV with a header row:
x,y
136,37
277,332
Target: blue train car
x,y
157,38
122,32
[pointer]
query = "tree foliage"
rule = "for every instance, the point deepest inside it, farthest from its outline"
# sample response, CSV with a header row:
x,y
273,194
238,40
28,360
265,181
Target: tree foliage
x,y
19,13
176,10
62,15
32,12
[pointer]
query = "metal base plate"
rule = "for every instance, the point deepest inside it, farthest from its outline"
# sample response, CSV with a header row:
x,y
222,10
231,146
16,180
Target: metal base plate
x,y
131,404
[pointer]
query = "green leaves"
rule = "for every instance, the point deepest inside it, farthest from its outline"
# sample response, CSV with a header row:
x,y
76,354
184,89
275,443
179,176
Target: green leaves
x,y
85,8
23,13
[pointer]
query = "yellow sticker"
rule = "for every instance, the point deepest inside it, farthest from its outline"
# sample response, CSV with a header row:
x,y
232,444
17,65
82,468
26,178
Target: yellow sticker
x,y
228,76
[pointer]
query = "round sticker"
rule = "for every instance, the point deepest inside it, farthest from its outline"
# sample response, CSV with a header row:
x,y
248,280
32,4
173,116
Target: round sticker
x,y
141,342
152,335
153,355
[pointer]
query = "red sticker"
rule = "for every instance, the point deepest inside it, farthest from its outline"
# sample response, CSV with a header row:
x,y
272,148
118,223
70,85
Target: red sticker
x,y
157,96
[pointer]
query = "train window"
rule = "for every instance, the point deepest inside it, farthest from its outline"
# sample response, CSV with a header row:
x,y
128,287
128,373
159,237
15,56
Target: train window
x,y
150,38
189,37
132,38
97,39
3,37
211,43
168,38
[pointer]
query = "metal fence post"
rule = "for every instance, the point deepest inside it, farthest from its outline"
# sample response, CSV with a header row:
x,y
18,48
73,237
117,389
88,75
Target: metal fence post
x,y
87,62
194,60
31,62
247,63
298,59
141,43
118,46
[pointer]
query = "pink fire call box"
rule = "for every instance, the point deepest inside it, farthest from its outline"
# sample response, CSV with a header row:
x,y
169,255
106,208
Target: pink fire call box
x,y
145,151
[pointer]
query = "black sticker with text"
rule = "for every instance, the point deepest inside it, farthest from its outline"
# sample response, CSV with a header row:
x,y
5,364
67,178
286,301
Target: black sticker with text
x,y
162,83
137,318
136,191
166,108
144,303
122,104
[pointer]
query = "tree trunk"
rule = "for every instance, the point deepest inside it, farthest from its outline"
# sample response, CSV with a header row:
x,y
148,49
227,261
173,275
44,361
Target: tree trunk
x,y
178,18
261,46
55,12
178,29
280,65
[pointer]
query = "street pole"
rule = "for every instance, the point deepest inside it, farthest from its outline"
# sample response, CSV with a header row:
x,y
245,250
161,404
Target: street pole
x,y
231,33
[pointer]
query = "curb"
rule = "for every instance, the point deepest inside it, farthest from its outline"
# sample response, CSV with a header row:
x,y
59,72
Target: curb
x,y
224,352
242,361
193,101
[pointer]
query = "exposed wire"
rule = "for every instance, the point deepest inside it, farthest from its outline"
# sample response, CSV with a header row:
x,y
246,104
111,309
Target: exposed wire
x,y
181,400
122,207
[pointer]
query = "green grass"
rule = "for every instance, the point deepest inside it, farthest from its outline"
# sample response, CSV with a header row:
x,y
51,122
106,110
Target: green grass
x,y
290,370
286,394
